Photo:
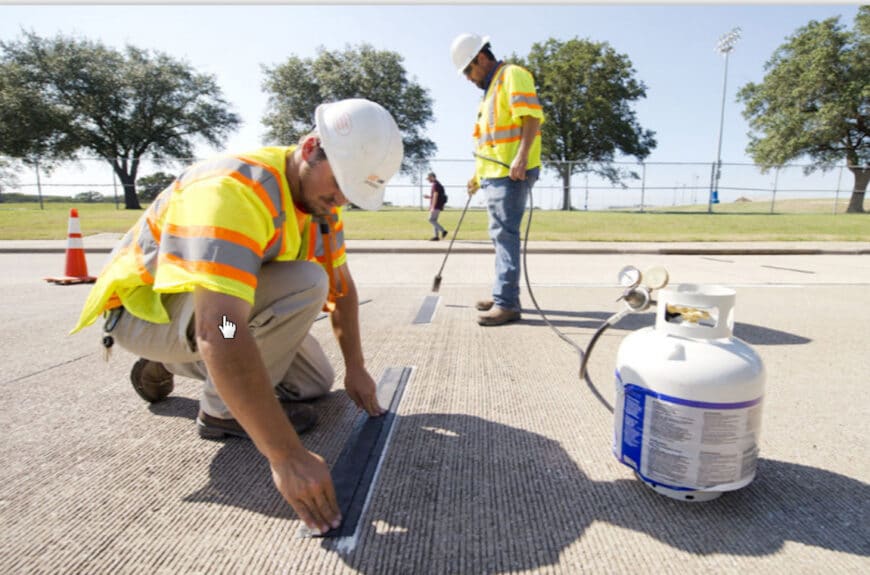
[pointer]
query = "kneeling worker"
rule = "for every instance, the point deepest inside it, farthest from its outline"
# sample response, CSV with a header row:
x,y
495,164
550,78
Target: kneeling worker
x,y
224,274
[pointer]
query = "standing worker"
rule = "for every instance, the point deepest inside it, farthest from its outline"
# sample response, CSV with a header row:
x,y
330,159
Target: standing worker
x,y
224,274
508,161
437,198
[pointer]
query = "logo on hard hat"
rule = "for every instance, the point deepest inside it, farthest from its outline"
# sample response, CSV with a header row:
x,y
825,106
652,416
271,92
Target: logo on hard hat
x,y
374,181
342,125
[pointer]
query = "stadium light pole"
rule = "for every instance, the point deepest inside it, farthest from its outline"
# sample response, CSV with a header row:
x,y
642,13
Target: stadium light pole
x,y
724,46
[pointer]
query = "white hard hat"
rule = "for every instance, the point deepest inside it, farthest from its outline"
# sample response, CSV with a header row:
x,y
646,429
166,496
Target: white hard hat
x,y
464,48
363,146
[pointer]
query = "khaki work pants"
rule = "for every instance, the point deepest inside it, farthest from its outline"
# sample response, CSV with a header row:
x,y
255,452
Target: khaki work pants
x,y
288,298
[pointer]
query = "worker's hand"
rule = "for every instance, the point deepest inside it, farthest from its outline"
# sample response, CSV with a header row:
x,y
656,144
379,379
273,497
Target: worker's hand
x,y
304,481
518,167
363,391
472,186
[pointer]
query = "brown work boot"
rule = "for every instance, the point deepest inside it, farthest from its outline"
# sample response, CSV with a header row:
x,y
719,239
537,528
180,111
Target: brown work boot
x,y
484,305
498,316
151,380
303,417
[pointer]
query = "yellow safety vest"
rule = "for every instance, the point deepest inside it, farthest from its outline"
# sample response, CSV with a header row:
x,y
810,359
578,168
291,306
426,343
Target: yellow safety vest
x,y
213,227
498,130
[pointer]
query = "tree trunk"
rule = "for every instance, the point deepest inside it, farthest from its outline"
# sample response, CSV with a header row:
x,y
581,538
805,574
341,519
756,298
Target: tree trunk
x,y
856,202
128,180
565,172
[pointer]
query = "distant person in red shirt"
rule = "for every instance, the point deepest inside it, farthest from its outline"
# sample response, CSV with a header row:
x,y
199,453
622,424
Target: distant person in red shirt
x,y
437,199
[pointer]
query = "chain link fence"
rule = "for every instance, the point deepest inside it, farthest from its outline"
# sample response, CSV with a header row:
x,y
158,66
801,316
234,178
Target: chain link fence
x,y
652,186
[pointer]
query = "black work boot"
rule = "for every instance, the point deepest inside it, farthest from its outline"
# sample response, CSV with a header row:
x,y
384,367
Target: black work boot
x,y
151,380
303,417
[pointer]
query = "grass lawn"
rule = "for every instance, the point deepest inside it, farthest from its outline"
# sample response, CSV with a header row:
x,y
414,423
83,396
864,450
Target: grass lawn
x,y
733,222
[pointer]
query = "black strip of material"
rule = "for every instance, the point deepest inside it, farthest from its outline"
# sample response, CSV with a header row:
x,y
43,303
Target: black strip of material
x,y
427,310
354,472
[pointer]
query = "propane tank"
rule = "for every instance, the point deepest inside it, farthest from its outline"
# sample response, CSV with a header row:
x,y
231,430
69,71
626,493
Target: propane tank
x,y
687,414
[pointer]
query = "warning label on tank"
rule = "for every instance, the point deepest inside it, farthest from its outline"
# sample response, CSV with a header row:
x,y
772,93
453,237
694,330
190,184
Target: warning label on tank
x,y
686,444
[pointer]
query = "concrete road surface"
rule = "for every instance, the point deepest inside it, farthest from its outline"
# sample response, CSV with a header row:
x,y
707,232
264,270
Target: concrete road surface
x,y
500,459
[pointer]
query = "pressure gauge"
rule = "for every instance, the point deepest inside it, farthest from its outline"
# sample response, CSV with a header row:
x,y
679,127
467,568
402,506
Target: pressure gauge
x,y
629,277
656,277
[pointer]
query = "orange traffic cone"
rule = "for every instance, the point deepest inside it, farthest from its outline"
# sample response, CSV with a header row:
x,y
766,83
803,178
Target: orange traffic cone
x,y
76,266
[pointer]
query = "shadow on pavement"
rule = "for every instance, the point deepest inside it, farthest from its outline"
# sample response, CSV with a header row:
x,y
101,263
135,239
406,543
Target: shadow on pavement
x,y
477,496
751,334
239,475
460,493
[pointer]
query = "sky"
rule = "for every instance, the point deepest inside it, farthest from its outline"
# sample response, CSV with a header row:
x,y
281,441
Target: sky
x,y
671,47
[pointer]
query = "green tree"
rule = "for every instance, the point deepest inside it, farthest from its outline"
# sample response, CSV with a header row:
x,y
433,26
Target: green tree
x,y
149,186
8,179
587,90
299,85
814,101
66,95
89,197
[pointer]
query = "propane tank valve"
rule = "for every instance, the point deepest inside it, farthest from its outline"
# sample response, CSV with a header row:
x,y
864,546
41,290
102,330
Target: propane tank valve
x,y
637,298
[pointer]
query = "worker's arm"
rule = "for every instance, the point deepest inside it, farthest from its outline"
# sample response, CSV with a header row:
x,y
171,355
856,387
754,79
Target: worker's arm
x,y
345,324
530,129
240,377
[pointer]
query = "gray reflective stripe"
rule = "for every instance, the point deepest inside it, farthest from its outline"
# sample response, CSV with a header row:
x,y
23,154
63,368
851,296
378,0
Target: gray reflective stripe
x,y
339,238
125,241
530,100
163,197
275,249
500,135
211,250
147,242
490,126
149,246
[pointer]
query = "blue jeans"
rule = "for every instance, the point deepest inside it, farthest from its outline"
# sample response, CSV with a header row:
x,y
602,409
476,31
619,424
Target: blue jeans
x,y
506,202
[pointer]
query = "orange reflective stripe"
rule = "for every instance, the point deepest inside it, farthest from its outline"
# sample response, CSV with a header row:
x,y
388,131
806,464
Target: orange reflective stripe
x,y
255,186
138,256
337,286
212,268
506,140
258,189
525,100
216,232
312,242
151,220
335,255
